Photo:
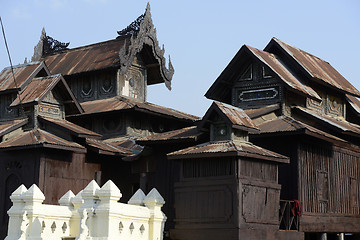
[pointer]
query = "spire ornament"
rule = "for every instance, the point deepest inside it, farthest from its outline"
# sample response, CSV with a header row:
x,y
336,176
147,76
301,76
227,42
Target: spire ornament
x,y
139,33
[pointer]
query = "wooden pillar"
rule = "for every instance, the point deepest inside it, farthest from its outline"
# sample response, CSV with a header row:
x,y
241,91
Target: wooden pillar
x,y
323,236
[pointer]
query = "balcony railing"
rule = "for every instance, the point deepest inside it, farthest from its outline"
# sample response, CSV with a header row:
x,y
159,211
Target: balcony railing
x,y
290,213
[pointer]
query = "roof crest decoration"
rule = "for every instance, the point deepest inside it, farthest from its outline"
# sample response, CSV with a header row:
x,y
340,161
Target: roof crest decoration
x,y
47,45
142,32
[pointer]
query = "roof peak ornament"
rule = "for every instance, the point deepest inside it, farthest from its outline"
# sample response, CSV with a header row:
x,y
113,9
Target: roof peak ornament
x,y
47,45
142,31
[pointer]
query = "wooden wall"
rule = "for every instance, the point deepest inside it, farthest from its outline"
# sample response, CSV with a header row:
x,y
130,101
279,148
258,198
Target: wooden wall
x,y
16,168
329,186
61,171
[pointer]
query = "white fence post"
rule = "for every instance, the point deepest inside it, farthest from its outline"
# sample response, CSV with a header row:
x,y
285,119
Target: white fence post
x,y
154,202
93,214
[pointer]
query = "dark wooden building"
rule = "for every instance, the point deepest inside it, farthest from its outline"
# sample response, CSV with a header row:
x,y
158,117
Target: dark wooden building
x,y
72,115
309,112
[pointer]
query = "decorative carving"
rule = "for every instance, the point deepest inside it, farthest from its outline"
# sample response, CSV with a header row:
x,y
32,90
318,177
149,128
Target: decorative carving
x,y
258,94
133,28
142,31
52,45
47,45
24,225
84,230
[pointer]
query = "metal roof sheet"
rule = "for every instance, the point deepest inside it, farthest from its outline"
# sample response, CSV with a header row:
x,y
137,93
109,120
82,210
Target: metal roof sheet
x,y
120,103
87,58
128,142
188,133
228,148
36,90
257,112
341,125
276,65
69,126
9,126
354,102
318,68
288,124
237,116
22,73
107,148
40,138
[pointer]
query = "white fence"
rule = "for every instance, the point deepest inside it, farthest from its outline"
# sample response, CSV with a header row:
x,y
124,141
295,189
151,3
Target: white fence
x,y
93,214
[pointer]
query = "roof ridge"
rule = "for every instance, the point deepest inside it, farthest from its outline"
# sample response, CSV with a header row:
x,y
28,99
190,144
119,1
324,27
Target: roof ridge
x,y
84,47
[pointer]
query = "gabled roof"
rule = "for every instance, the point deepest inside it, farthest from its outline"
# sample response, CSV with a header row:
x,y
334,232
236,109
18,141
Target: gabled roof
x,y
318,69
188,134
286,124
228,149
354,103
278,68
40,138
339,125
139,38
106,148
74,129
85,59
234,116
9,126
121,103
38,88
23,74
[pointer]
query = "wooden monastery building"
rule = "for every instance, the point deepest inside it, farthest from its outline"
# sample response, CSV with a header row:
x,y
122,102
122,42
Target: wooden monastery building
x,y
276,156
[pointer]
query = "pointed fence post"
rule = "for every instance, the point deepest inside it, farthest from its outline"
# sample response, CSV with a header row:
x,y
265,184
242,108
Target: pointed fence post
x,y
154,201
15,213
109,195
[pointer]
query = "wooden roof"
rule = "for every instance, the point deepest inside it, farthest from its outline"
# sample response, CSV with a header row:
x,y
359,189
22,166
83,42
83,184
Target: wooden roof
x,y
40,138
228,149
119,103
11,125
22,73
234,116
318,69
67,126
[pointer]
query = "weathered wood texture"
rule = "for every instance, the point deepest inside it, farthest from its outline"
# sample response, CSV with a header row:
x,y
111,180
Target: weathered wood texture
x,y
241,194
16,168
61,171
329,179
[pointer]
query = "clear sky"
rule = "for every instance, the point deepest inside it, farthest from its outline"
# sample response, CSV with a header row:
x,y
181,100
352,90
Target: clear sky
x,y
200,36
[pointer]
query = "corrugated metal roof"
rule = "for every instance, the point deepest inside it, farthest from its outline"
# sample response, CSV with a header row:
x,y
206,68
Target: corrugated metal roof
x,y
9,126
275,64
40,138
88,58
237,117
342,125
257,112
228,148
120,103
107,148
188,133
288,124
69,126
318,68
354,102
21,74
37,90
128,142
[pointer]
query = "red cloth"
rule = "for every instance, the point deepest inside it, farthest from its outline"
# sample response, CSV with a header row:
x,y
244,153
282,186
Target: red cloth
x,y
296,208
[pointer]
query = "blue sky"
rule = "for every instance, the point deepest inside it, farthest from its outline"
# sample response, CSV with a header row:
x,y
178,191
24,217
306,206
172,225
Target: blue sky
x,y
201,36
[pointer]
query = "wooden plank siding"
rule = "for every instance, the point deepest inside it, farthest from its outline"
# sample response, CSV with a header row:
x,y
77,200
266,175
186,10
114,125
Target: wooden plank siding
x,y
328,179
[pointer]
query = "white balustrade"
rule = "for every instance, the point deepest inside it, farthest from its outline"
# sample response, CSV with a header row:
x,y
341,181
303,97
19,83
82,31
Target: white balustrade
x,y
93,214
